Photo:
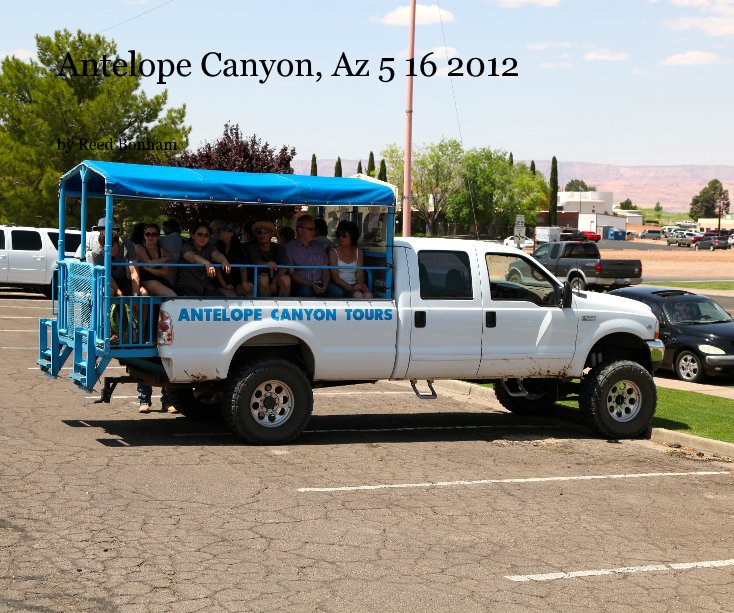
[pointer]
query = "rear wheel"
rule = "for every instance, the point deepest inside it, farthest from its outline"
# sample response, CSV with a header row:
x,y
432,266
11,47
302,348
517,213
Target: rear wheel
x,y
619,398
195,404
695,246
689,367
268,402
711,248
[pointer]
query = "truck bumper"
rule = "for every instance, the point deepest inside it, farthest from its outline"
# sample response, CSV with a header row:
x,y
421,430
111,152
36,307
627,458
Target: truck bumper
x,y
657,349
615,281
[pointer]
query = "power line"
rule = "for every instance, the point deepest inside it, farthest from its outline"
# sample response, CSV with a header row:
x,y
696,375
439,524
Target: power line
x,y
155,8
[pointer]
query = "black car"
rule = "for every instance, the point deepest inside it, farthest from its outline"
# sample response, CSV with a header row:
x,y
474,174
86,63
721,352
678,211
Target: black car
x,y
698,333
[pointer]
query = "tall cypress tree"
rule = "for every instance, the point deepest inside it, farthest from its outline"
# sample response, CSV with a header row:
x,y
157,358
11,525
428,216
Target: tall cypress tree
x,y
511,159
338,167
359,167
532,166
371,165
382,175
553,208
314,167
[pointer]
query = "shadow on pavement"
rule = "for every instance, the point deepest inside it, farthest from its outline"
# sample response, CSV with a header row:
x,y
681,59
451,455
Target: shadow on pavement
x,y
342,429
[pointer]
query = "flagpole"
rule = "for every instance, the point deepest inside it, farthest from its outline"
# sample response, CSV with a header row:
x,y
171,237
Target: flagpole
x,y
407,179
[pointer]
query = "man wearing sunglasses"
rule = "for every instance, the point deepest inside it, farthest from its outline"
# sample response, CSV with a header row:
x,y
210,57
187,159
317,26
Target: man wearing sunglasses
x,y
125,280
305,251
273,280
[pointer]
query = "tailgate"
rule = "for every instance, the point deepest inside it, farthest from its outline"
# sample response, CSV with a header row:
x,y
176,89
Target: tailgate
x,y
629,269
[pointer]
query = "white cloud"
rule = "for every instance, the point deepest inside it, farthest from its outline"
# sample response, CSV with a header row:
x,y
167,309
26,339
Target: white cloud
x,y
543,46
604,55
713,26
515,3
692,3
21,54
424,15
691,58
556,65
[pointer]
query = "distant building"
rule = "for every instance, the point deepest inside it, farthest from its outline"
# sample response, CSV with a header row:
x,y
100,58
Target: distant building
x,y
586,202
712,223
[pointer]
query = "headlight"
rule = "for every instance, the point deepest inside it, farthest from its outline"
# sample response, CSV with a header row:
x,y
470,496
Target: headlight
x,y
711,349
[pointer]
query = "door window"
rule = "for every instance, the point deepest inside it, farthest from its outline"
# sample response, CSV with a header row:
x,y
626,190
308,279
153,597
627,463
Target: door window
x,y
514,278
542,251
26,240
445,275
2,239
71,241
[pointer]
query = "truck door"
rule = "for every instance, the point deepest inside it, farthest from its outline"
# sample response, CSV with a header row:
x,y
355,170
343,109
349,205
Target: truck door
x,y
525,331
3,256
27,258
446,312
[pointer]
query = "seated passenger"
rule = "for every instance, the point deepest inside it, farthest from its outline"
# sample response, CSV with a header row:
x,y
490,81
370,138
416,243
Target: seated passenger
x,y
229,245
125,280
201,280
346,253
304,251
153,276
273,280
172,242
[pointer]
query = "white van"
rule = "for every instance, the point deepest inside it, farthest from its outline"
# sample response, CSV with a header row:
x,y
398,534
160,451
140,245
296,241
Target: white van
x,y
28,256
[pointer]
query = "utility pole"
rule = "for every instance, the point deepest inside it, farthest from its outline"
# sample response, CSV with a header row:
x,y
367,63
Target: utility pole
x,y
407,177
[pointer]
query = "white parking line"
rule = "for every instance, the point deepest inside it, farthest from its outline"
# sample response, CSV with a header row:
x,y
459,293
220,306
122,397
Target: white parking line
x,y
16,330
14,306
386,486
18,317
371,393
624,570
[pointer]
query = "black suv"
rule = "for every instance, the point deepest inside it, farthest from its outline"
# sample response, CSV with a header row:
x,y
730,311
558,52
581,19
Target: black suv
x,y
698,333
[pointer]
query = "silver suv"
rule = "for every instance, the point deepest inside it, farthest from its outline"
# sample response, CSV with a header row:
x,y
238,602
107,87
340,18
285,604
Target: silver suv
x,y
28,256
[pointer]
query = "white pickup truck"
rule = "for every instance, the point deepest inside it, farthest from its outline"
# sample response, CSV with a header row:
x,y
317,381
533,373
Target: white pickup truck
x,y
447,310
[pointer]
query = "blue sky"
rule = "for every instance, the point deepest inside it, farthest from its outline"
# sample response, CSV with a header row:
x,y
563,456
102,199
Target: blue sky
x,y
646,82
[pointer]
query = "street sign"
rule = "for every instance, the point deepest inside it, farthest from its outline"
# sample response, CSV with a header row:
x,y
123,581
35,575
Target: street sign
x,y
519,228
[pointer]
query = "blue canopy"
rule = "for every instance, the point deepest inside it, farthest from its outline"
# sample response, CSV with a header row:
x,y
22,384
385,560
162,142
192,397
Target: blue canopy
x,y
169,183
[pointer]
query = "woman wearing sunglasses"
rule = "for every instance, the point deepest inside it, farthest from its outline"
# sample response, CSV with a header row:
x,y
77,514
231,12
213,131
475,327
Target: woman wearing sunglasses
x,y
347,254
205,279
154,271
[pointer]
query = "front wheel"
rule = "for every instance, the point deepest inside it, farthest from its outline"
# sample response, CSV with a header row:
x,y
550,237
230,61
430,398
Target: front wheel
x,y
578,284
711,248
535,402
268,402
695,246
688,367
619,398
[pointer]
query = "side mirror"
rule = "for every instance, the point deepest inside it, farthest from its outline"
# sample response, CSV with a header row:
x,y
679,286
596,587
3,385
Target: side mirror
x,y
566,295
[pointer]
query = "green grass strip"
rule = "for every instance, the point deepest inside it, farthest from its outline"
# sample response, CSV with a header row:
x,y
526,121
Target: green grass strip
x,y
694,413
696,284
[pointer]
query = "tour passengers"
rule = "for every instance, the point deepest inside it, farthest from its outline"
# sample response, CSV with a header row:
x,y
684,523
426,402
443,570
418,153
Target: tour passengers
x,y
274,279
199,280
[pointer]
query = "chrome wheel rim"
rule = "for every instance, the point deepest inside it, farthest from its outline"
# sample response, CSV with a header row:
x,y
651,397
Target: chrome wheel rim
x,y
688,367
623,401
271,404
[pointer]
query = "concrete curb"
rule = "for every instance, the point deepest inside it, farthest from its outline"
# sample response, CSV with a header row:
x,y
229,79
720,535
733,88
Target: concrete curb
x,y
658,435
663,435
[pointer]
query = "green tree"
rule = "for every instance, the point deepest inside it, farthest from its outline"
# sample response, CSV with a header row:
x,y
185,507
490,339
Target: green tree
x,y
579,185
359,167
494,192
392,155
658,207
382,174
511,160
45,120
553,204
436,177
711,201
626,205
338,167
371,165
532,166
314,166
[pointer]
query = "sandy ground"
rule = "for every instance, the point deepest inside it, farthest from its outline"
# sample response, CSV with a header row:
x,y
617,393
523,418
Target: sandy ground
x,y
682,263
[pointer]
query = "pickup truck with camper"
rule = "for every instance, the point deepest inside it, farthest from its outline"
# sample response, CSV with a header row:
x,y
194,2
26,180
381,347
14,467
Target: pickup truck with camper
x,y
580,263
28,256
442,309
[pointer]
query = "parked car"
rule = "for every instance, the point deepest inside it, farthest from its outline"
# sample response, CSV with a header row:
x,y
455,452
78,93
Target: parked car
x,y
524,242
698,333
653,234
591,236
731,240
712,243
28,256
683,238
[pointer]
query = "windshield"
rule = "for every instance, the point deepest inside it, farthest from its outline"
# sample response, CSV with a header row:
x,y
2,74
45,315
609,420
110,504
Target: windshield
x,y
703,311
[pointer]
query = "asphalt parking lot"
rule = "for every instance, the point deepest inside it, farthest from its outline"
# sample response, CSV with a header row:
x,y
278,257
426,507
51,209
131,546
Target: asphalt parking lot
x,y
387,502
